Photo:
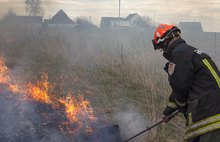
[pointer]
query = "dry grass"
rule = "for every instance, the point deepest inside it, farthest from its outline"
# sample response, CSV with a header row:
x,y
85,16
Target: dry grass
x,y
118,70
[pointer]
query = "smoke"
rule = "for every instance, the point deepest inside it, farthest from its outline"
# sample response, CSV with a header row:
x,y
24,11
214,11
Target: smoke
x,y
23,120
131,122
99,64
63,53
18,119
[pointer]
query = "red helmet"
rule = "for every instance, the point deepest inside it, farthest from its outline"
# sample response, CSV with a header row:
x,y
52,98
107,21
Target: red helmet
x,y
162,32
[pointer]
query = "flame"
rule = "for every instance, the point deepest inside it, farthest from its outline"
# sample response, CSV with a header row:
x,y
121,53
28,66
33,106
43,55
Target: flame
x,y
4,74
39,90
77,111
33,91
14,88
6,79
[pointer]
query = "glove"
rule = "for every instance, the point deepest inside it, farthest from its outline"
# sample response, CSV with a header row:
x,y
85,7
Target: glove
x,y
165,118
182,109
166,113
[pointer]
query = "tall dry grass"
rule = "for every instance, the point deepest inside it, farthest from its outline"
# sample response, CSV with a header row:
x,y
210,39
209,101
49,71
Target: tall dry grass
x,y
117,71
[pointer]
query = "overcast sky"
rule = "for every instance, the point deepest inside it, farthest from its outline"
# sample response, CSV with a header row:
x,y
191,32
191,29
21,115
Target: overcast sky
x,y
162,11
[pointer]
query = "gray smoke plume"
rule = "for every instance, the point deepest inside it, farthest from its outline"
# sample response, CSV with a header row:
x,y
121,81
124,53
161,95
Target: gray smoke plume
x,y
131,122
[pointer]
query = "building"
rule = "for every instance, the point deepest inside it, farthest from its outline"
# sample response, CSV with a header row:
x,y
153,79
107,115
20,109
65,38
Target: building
x,y
59,18
136,21
111,23
60,22
191,26
131,21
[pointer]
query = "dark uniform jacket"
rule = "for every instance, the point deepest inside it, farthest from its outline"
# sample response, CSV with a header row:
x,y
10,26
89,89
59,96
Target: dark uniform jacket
x,y
194,79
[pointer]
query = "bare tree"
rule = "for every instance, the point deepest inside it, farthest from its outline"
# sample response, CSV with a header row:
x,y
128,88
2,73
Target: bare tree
x,y
149,21
33,7
85,24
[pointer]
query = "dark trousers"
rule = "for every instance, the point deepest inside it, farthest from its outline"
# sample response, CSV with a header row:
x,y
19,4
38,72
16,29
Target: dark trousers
x,y
208,137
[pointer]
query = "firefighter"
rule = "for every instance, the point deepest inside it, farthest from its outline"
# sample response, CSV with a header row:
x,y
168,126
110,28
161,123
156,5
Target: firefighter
x,y
194,79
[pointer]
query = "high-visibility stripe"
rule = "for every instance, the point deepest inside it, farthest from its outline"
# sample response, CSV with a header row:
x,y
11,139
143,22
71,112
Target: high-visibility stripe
x,y
181,104
190,119
172,105
203,122
213,72
203,130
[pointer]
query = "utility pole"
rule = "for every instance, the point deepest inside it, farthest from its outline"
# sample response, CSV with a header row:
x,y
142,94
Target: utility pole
x,y
154,20
119,8
120,44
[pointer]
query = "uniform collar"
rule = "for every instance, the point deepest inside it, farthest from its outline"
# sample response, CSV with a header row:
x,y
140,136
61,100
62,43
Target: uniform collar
x,y
167,53
175,44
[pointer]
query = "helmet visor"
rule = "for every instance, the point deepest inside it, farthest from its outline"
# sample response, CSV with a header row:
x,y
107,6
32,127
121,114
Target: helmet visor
x,y
157,46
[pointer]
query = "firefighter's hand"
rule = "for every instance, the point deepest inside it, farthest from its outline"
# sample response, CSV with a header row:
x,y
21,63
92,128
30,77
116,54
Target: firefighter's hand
x,y
165,118
183,109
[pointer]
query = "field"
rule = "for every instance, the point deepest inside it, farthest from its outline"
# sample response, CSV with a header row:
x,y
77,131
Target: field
x,y
118,72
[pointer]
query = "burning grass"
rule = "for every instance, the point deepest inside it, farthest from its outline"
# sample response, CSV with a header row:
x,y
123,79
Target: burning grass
x,y
77,112
52,68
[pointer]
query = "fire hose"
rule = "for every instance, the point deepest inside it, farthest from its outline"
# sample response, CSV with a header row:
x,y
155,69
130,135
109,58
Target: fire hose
x,y
154,125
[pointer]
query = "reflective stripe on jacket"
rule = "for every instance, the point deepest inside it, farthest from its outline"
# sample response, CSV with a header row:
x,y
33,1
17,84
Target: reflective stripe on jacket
x,y
203,126
195,85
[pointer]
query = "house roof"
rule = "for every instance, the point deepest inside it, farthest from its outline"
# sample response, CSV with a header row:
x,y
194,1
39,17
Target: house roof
x,y
107,22
130,16
191,26
61,18
138,21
